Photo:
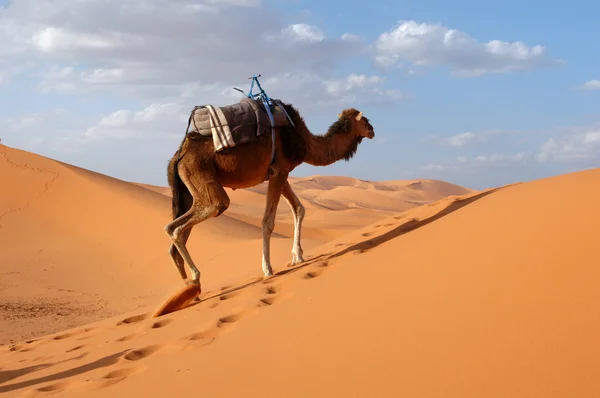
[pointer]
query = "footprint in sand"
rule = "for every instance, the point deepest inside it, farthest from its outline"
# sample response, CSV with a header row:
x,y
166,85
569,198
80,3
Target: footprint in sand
x,y
400,217
122,374
267,301
366,246
111,378
200,339
79,347
142,353
367,233
273,289
229,319
161,324
313,274
55,387
128,337
230,295
134,319
72,334
42,358
272,295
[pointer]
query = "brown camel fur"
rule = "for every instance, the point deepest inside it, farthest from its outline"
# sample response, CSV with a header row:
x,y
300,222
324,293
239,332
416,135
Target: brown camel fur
x,y
197,177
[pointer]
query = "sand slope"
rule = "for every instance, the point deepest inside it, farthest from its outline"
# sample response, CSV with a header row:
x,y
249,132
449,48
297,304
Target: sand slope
x,y
77,246
490,294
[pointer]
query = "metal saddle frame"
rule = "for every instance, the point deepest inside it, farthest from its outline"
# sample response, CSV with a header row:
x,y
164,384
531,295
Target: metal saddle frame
x,y
268,104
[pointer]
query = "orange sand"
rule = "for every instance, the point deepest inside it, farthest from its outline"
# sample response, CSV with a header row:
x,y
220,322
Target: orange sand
x,y
485,294
78,246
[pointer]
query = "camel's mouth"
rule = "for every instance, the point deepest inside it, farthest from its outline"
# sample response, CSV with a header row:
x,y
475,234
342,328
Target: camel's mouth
x,y
371,135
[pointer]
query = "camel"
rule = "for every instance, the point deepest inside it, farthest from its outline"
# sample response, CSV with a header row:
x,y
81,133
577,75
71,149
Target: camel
x,y
197,177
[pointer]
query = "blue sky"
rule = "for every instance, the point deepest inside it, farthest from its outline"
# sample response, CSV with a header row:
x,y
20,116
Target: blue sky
x,y
451,96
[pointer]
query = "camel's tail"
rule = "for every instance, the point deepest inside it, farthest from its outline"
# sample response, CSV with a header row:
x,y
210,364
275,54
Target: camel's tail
x,y
177,186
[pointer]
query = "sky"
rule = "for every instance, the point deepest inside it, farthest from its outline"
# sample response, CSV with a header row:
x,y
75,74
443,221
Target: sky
x,y
480,94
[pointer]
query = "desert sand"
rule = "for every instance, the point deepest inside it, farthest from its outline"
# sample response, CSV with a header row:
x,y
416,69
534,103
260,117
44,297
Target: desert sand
x,y
77,246
410,288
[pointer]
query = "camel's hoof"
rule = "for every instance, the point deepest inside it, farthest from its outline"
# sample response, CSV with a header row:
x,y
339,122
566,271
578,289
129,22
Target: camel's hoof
x,y
297,260
268,274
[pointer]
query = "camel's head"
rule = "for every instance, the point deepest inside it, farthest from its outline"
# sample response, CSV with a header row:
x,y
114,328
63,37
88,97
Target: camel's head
x,y
360,125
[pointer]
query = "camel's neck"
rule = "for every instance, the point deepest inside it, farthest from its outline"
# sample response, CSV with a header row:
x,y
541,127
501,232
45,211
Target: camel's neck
x,y
323,151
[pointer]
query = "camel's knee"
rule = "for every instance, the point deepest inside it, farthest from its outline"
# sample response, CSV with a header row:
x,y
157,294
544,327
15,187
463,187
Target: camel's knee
x,y
221,206
268,224
169,230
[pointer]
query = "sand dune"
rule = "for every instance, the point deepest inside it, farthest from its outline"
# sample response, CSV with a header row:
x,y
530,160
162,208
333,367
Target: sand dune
x,y
336,204
77,246
486,294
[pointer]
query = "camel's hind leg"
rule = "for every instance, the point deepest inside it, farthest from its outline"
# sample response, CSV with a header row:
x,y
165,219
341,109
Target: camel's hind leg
x,y
209,200
176,256
298,211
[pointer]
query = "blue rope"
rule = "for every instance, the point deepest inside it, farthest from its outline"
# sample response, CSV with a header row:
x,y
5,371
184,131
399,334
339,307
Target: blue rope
x,y
263,96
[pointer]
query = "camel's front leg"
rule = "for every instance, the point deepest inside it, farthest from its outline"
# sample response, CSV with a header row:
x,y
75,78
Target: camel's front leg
x,y
275,187
298,211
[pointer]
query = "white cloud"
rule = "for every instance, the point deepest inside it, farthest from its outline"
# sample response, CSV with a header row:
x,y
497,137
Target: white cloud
x,y
431,44
166,119
462,139
351,82
465,163
156,120
43,132
34,121
468,138
304,32
360,88
351,37
590,85
496,158
579,147
152,48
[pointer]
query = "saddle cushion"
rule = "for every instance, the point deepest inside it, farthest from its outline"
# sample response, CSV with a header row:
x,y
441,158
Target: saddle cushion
x,y
235,124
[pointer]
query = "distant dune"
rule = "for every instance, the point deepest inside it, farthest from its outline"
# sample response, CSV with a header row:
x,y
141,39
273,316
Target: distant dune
x,y
78,246
336,204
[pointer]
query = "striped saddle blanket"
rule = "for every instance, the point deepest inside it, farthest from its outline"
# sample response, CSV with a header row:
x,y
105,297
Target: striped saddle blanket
x,y
235,124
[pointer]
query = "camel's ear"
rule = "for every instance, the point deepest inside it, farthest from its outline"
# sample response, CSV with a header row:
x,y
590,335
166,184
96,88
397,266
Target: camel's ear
x,y
340,115
359,116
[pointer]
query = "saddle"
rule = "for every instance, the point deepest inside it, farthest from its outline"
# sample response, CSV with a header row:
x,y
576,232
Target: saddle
x,y
237,124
